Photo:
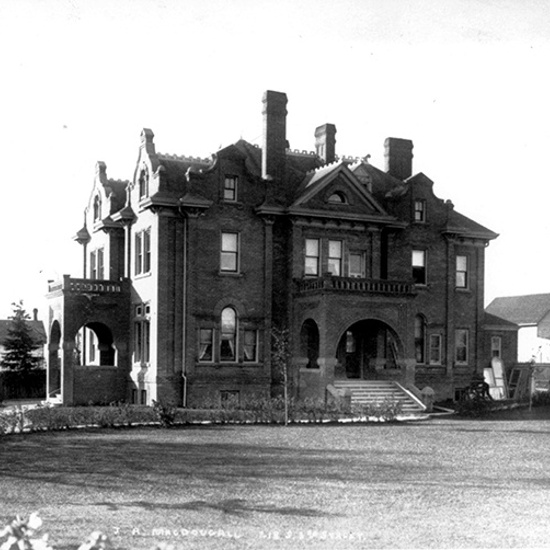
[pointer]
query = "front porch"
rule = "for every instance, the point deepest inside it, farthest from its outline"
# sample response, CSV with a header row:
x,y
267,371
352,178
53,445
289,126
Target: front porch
x,y
88,340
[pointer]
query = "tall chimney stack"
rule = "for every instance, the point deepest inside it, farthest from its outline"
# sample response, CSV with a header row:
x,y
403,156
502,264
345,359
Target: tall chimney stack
x,y
398,153
274,137
325,142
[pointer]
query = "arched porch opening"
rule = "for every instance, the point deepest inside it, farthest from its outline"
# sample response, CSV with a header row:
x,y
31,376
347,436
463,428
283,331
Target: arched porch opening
x,y
366,348
94,345
309,343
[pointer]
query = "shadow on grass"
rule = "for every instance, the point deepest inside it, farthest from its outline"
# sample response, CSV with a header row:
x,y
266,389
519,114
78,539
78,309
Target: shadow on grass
x,y
234,507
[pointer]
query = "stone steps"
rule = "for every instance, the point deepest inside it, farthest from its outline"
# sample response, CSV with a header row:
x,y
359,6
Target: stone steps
x,y
377,391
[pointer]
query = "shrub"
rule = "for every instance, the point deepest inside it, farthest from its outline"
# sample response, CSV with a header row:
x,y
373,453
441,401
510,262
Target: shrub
x,y
165,413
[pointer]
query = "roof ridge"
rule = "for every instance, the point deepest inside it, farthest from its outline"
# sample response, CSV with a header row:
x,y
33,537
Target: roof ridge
x,y
182,158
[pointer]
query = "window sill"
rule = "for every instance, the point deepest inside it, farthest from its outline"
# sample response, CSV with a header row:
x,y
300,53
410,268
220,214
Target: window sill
x,y
221,365
143,275
230,273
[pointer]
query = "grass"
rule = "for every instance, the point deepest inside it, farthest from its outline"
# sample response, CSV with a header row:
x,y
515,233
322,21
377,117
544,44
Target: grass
x,y
444,483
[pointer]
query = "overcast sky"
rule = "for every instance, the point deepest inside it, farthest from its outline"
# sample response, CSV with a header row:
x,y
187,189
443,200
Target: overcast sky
x,y
468,81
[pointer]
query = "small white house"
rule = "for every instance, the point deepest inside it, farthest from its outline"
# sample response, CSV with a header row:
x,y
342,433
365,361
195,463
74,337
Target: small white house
x,y
532,314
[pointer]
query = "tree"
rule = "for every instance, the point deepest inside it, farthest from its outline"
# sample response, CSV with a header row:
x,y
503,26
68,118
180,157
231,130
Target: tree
x,y
20,343
281,355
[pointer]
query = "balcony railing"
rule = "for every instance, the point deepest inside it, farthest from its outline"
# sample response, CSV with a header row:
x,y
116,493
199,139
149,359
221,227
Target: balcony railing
x,y
352,284
95,286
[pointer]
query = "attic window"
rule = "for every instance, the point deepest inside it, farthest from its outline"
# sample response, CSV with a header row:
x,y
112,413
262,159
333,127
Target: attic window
x,y
338,198
143,183
420,210
97,208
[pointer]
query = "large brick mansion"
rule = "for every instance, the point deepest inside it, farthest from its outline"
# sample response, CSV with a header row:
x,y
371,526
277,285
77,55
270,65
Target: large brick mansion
x,y
190,265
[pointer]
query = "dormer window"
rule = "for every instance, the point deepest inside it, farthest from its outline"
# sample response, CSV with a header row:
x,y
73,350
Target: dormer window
x,y
143,183
420,211
338,198
230,188
97,208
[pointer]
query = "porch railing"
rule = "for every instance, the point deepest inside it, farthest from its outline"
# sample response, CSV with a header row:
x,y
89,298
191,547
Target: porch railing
x,y
353,284
96,286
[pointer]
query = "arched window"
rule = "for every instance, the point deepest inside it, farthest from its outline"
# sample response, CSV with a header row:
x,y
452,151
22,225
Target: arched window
x,y
338,198
97,208
420,339
228,340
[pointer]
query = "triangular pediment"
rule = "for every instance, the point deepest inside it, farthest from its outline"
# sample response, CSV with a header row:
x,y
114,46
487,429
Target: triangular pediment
x,y
335,188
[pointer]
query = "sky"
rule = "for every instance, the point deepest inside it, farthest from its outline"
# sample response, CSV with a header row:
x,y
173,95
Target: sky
x,y
466,80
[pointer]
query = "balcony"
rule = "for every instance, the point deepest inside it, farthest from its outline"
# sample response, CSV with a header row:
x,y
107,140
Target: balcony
x,y
330,283
88,286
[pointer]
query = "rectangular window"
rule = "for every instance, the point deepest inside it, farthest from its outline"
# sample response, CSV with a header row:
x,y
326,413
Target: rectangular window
x,y
144,397
462,272
250,346
312,258
461,346
419,266
229,260
420,210
356,264
335,258
435,349
496,346
100,272
142,335
93,265
230,188
143,252
206,341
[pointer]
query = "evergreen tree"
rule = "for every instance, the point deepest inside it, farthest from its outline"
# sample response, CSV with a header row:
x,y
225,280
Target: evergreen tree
x,y
20,343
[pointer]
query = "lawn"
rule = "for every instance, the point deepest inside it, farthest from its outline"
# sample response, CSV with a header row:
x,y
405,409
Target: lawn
x,y
443,483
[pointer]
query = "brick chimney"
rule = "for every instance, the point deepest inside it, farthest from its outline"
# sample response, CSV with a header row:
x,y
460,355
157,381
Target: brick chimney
x,y
325,142
398,153
274,138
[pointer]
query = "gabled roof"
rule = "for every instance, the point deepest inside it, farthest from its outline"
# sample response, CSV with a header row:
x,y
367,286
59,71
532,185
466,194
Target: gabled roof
x,y
523,310
37,329
317,180
463,226
490,321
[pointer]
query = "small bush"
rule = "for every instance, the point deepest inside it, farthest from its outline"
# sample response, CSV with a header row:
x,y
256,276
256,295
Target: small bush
x,y
165,413
474,407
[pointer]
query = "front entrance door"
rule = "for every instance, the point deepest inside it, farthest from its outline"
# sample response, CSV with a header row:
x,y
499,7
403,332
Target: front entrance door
x,y
366,348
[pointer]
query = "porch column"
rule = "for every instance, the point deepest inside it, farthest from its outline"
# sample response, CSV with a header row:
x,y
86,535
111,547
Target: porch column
x,y
67,373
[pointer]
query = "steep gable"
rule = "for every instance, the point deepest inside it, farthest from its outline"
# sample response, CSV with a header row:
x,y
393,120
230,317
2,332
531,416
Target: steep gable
x,y
334,187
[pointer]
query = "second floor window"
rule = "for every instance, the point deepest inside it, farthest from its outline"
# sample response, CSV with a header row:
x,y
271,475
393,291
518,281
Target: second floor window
x,y
312,258
143,252
356,264
229,256
419,266
230,188
335,258
462,272
96,264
